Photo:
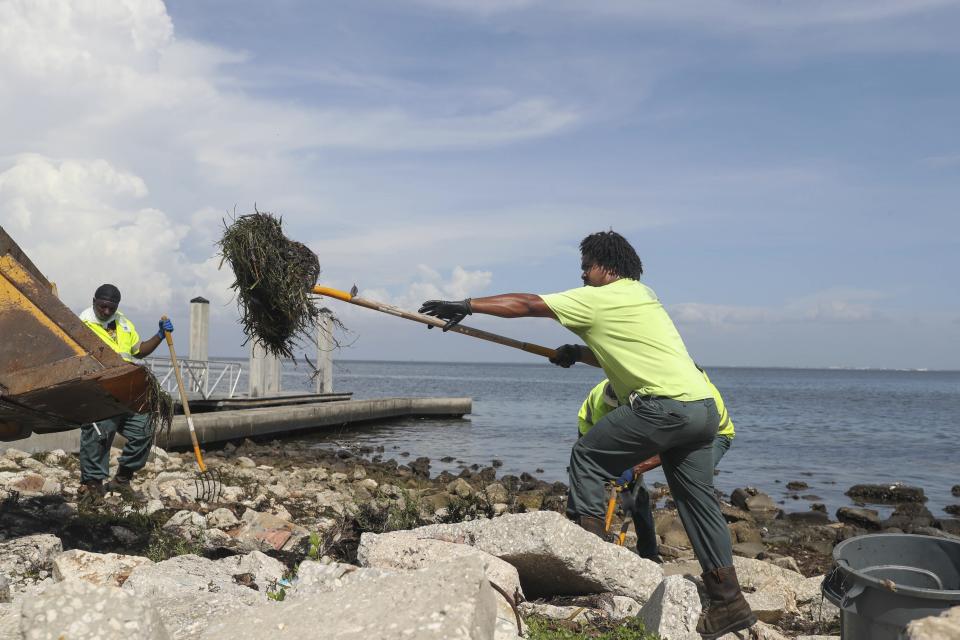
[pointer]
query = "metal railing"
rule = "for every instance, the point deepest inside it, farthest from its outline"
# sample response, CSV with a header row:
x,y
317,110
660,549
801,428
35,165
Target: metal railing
x,y
199,376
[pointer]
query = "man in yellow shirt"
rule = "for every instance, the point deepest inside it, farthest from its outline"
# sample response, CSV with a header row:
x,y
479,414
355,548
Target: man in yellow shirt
x,y
119,333
598,403
666,406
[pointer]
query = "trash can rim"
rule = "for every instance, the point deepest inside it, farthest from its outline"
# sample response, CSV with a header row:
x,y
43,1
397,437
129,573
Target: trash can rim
x,y
844,567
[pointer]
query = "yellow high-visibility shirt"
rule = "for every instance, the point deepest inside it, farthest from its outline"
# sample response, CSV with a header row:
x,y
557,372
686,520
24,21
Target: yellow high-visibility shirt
x,y
126,342
633,339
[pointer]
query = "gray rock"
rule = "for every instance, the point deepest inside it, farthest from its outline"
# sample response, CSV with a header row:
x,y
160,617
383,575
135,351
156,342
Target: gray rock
x,y
4,589
27,555
460,487
945,626
859,517
768,606
759,631
753,501
673,610
191,576
894,493
622,607
320,577
188,591
10,621
186,616
79,610
264,531
553,555
749,549
104,569
189,525
496,493
402,552
449,601
221,518
811,603
266,571
786,562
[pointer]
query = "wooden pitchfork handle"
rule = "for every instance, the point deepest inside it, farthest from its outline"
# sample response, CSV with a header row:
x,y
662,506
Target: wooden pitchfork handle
x,y
183,399
434,322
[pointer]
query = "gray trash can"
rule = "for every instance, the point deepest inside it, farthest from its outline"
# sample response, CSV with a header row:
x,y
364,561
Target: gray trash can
x,y
883,581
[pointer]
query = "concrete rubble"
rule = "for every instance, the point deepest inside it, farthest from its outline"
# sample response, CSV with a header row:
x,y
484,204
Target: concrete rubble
x,y
343,547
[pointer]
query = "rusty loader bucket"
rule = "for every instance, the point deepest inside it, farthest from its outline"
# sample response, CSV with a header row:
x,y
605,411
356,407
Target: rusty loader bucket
x,y
55,374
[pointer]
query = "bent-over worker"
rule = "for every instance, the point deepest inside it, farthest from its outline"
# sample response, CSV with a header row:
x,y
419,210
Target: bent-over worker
x,y
598,403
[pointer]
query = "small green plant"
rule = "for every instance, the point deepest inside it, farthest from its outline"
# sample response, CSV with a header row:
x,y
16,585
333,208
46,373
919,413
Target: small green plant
x,y
378,516
278,595
164,545
547,629
468,507
404,515
315,548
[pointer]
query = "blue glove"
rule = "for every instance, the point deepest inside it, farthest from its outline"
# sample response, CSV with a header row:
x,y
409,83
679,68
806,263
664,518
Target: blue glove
x,y
165,325
626,477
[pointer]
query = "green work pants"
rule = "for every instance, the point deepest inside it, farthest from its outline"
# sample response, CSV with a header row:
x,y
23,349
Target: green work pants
x,y
638,504
682,433
97,438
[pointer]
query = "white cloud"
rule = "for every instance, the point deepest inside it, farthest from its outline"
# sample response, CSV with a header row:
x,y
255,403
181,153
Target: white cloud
x,y
830,306
83,223
431,285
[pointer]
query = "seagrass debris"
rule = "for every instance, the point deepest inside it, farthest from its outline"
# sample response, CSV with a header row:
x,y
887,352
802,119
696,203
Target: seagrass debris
x,y
159,406
273,278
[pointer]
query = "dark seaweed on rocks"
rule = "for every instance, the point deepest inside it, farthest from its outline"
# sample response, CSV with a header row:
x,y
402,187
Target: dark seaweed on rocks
x,y
273,279
886,493
159,406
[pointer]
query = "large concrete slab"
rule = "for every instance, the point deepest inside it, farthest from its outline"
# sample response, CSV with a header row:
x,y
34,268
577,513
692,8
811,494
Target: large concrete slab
x,y
452,601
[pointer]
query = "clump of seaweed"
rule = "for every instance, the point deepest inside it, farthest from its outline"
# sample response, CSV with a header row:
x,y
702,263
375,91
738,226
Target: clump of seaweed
x,y
159,405
273,280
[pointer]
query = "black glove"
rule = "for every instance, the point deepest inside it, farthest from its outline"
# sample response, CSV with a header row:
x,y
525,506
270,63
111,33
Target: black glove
x,y
453,311
566,356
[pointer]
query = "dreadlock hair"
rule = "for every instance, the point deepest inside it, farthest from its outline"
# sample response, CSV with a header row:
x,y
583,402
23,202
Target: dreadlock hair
x,y
610,250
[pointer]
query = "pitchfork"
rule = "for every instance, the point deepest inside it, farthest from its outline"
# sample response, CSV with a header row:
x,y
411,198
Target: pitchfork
x,y
208,483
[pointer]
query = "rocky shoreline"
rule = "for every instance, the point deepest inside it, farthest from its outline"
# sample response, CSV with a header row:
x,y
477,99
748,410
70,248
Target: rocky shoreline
x,y
334,544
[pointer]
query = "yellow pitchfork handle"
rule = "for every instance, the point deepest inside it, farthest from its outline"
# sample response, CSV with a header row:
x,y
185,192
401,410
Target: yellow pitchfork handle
x,y
183,400
434,322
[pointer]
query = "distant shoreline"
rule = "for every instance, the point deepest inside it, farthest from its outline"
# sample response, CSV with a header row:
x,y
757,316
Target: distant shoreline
x,y
542,364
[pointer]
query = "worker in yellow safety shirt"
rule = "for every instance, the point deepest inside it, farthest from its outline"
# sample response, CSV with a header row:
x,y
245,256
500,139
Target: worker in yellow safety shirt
x,y
119,333
599,402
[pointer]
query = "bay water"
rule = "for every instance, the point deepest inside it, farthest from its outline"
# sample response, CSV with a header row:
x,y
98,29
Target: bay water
x,y
828,428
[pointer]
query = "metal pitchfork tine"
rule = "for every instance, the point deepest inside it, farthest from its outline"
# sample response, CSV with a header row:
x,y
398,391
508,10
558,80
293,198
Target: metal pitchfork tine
x,y
208,483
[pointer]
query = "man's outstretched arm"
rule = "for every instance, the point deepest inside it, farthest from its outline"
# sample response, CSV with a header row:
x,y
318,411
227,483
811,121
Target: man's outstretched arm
x,y
513,305
508,305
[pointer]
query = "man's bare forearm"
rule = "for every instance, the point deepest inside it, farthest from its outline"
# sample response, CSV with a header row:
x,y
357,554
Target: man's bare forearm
x,y
512,305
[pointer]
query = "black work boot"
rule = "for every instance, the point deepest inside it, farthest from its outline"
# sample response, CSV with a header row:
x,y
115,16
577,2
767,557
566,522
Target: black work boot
x,y
120,483
727,610
594,525
90,492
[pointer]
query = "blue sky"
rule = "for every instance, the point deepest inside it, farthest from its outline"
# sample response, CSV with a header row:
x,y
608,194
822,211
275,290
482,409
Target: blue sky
x,y
788,172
